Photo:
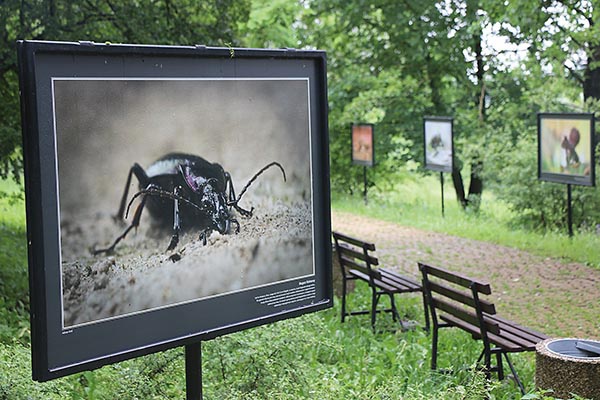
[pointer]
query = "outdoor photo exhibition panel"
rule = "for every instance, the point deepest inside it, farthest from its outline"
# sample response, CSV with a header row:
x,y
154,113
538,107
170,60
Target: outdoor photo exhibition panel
x,y
174,194
363,140
438,143
566,148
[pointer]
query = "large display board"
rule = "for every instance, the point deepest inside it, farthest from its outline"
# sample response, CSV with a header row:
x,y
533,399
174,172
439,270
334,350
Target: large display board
x,y
438,143
566,148
174,194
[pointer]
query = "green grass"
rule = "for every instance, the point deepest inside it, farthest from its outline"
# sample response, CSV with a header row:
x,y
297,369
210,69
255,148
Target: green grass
x,y
417,203
14,289
310,357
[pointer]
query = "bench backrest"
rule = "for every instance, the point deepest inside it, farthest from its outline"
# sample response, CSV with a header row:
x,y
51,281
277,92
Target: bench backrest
x,y
459,299
354,254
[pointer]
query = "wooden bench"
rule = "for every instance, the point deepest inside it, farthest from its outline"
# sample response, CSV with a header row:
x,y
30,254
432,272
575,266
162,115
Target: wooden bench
x,y
458,301
357,263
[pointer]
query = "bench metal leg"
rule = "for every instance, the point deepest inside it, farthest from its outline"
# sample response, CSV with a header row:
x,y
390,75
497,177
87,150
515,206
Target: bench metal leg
x,y
395,315
343,299
500,366
426,311
374,301
514,372
434,347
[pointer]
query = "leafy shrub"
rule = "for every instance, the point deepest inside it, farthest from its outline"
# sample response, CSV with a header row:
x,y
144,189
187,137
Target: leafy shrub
x,y
537,204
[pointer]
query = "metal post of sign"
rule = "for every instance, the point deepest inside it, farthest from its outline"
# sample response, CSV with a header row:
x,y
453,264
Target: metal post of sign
x,y
442,184
193,371
365,181
569,211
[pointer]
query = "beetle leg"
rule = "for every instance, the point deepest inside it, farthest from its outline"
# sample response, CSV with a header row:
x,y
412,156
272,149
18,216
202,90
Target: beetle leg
x,y
204,235
134,224
231,200
140,174
176,220
229,188
245,213
237,224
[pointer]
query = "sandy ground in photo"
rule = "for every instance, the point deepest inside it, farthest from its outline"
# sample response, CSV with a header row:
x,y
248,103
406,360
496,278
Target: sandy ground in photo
x,y
273,245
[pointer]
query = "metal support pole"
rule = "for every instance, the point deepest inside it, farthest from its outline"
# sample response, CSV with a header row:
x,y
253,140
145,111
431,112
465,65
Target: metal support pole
x,y
193,371
569,211
365,180
442,184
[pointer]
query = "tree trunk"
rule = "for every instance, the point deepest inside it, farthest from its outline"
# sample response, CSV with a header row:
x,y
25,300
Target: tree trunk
x,y
459,186
591,83
476,183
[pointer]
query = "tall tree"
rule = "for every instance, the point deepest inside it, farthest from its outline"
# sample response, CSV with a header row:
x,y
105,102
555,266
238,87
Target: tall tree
x,y
143,21
421,53
563,36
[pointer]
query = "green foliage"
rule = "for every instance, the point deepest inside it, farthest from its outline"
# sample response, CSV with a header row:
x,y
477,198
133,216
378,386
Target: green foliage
x,y
14,300
180,22
271,24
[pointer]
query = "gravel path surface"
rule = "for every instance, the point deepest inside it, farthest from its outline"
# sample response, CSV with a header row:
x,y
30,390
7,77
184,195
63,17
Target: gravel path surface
x,y
556,297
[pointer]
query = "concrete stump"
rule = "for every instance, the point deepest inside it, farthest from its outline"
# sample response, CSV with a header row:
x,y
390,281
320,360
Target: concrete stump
x,y
568,367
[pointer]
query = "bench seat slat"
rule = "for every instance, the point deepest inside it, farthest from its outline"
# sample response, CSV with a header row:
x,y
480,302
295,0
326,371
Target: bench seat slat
x,y
496,339
505,339
516,332
528,333
400,279
393,286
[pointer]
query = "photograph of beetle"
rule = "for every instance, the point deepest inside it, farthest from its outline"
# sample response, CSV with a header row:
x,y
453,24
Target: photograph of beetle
x,y
174,190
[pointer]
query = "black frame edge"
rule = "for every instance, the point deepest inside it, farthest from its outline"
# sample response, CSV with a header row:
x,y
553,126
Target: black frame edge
x,y
33,207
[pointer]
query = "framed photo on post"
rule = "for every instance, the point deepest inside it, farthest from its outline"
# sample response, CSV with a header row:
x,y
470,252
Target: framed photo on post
x,y
174,194
438,143
566,148
363,144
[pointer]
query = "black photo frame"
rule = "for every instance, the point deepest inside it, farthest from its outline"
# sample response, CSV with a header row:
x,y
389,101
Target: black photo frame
x,y
438,143
363,144
90,112
566,143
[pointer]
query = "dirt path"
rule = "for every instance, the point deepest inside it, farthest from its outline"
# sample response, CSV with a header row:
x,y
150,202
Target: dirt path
x,y
560,299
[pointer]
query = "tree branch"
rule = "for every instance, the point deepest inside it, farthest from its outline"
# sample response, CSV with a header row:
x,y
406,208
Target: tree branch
x,y
578,11
577,42
575,74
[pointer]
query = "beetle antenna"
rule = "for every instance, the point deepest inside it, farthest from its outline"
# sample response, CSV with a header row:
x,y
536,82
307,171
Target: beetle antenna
x,y
263,169
161,193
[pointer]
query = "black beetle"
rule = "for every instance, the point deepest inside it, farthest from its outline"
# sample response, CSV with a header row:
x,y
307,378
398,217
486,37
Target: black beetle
x,y
185,191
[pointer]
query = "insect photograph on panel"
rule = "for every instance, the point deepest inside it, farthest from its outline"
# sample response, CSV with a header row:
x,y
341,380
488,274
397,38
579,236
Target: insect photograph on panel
x,y
438,143
565,147
174,190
